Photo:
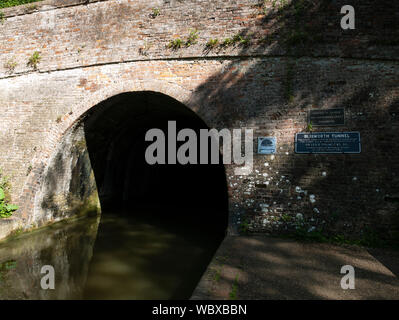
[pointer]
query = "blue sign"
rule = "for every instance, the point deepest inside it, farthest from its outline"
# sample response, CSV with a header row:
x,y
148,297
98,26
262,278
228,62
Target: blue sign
x,y
327,142
267,145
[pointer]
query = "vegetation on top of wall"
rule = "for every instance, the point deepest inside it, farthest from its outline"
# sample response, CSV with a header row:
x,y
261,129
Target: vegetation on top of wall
x,y
6,209
143,50
212,43
236,39
13,3
178,43
34,60
227,42
175,44
155,13
10,65
192,38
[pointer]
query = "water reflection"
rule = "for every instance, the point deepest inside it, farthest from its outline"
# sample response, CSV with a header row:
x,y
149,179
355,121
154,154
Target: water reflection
x,y
133,258
68,247
148,258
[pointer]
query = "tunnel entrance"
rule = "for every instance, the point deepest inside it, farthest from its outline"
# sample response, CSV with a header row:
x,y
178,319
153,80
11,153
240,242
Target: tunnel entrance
x,y
165,221
115,137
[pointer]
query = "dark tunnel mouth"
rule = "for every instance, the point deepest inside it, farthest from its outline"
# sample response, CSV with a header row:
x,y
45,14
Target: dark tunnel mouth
x,y
193,195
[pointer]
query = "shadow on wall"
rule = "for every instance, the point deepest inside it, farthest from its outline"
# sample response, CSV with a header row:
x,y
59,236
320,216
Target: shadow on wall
x,y
69,187
356,195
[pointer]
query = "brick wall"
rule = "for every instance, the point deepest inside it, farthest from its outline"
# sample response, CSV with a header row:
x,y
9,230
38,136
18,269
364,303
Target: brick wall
x,y
291,59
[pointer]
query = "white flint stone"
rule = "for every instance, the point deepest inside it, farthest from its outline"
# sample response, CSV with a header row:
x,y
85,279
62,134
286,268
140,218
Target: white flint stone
x,y
299,216
312,198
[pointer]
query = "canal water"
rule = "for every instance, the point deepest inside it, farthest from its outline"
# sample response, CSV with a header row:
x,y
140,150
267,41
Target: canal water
x,y
115,256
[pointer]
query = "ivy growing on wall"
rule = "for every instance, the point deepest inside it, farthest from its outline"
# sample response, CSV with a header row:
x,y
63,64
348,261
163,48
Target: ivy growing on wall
x,y
6,209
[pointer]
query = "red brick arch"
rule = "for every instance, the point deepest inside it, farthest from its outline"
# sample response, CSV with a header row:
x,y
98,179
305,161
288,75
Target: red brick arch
x,y
58,130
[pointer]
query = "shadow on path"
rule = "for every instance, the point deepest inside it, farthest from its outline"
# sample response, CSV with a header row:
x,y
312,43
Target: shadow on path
x,y
271,268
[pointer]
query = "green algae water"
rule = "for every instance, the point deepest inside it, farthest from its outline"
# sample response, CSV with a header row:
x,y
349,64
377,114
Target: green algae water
x,y
112,257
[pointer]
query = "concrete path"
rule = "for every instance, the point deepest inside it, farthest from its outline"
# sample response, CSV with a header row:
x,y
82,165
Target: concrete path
x,y
271,268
